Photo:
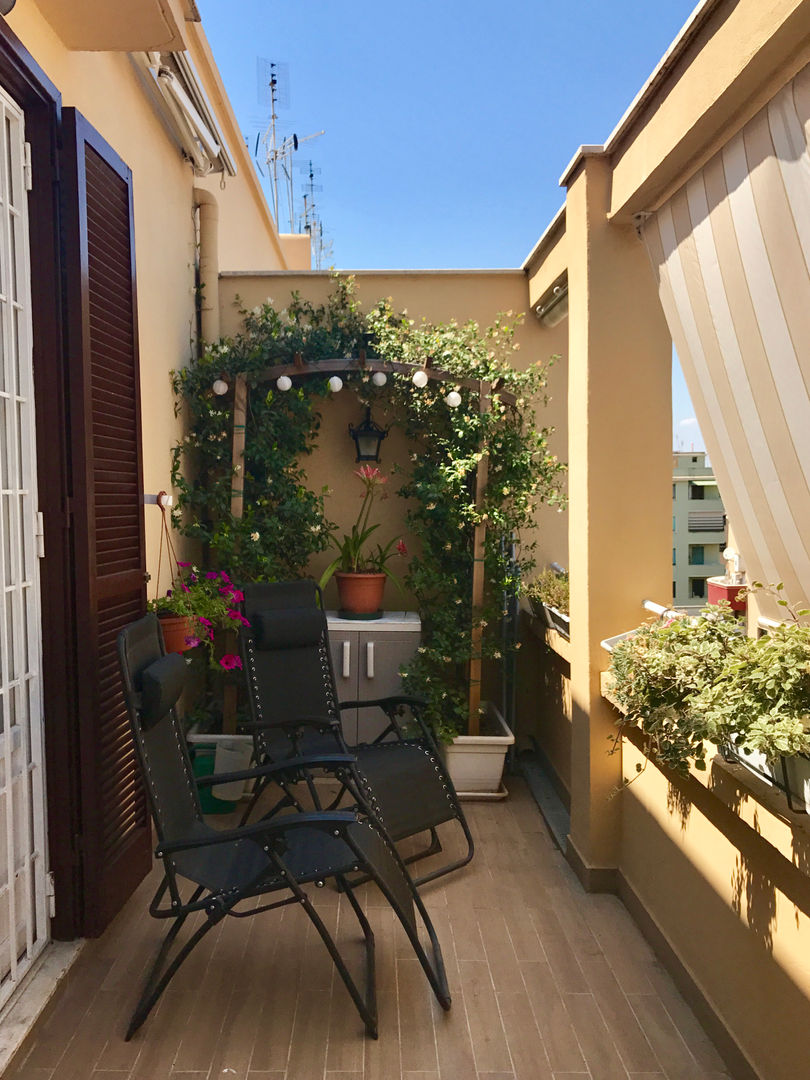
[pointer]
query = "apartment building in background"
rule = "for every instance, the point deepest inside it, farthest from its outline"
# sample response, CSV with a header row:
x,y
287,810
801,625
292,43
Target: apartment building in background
x,y
698,529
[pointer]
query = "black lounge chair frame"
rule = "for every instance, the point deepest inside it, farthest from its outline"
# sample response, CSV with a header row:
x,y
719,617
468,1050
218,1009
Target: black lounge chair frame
x,y
228,867
400,777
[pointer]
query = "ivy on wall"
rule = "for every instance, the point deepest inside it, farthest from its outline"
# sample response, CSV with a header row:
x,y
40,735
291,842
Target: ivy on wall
x,y
442,514
284,522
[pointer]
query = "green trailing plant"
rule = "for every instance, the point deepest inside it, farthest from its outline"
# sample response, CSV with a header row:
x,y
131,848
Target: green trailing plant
x,y
549,588
284,522
449,442
695,682
658,672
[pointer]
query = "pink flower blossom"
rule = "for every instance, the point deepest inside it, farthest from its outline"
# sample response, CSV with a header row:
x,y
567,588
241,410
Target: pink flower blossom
x,y
205,622
401,549
184,564
192,642
211,574
230,661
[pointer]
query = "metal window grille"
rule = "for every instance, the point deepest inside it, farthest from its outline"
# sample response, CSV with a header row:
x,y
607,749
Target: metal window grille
x,y
23,856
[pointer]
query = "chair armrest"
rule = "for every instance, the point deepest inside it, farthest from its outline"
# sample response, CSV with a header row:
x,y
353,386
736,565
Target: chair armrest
x,y
387,702
329,821
325,761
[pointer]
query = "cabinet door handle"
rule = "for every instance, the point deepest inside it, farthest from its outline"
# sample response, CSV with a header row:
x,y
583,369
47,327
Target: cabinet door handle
x,y
370,659
347,659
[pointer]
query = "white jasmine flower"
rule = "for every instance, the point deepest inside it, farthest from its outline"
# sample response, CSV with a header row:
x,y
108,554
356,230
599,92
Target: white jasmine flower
x,y
254,536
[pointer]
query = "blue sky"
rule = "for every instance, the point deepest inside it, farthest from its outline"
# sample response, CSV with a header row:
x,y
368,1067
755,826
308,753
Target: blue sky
x,y
448,123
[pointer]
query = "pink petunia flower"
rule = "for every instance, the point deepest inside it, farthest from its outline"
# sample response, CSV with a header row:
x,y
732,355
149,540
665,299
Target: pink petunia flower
x,y
192,642
211,574
184,564
205,622
230,661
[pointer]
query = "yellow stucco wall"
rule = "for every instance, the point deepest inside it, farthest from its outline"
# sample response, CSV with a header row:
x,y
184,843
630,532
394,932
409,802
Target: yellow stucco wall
x,y
725,880
715,868
106,88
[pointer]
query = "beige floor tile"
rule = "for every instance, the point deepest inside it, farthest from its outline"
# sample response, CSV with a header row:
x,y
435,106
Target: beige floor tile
x,y
552,1019
526,1047
490,1048
542,976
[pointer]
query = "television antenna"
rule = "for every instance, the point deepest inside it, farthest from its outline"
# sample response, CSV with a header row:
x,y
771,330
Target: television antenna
x,y
278,149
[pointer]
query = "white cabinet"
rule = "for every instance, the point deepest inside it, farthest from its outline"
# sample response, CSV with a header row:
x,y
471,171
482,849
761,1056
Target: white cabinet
x,y
366,657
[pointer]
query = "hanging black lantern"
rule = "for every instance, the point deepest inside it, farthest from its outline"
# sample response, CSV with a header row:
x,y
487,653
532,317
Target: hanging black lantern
x,y
367,437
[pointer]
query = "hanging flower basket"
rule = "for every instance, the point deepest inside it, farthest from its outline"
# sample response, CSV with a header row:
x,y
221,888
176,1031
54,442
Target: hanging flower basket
x,y
178,631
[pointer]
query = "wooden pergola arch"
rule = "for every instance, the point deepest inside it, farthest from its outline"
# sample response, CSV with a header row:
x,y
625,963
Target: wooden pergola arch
x,y
350,365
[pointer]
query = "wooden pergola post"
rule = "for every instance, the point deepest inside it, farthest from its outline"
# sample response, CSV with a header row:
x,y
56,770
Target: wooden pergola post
x,y
479,540
229,702
299,367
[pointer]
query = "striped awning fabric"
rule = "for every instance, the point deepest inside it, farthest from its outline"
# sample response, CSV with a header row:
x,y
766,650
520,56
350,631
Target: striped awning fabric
x,y
731,250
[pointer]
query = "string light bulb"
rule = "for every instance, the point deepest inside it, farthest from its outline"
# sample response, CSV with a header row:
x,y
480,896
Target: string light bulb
x,y
379,378
283,383
420,378
335,384
220,387
453,399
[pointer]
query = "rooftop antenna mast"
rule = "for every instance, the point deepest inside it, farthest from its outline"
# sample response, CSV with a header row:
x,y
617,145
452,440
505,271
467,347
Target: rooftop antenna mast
x,y
279,150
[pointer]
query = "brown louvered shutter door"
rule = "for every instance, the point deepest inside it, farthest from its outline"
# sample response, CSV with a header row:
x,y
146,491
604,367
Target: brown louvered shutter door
x,y
107,504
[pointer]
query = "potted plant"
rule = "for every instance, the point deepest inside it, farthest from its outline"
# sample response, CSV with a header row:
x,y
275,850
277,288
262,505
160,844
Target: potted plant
x,y
548,596
690,683
197,604
360,569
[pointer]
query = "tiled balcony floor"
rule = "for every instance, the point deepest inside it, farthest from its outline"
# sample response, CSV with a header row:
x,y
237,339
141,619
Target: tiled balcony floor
x,y
547,982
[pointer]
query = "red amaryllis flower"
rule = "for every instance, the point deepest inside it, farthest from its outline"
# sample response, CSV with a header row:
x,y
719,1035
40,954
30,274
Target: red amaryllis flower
x,y
230,661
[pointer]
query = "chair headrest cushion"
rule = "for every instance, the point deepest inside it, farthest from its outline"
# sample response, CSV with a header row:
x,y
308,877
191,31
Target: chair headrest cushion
x,y
161,685
291,628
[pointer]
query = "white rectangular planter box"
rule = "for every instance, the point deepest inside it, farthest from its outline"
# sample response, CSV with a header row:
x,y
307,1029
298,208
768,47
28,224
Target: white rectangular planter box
x,y
232,753
558,621
791,773
475,762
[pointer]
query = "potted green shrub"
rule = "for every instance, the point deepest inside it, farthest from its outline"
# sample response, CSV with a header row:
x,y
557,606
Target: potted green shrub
x,y
548,597
692,683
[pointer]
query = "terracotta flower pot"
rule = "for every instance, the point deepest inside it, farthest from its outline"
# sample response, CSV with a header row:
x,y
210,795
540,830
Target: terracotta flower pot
x,y
360,594
719,590
176,628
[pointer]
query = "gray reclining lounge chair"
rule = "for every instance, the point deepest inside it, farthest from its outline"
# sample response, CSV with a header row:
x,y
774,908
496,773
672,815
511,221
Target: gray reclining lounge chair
x,y
295,711
278,856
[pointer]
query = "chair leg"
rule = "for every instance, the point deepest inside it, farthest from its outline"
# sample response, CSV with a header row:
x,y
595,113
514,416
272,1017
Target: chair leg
x,y
455,865
366,1005
155,982
435,972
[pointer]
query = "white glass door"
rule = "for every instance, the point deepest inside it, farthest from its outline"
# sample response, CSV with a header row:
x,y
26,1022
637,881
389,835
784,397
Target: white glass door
x,y
23,854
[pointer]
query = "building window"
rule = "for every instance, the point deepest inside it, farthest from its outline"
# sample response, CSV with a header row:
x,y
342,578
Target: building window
x,y
673,556
697,587
697,554
696,491
674,490
694,461
674,590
